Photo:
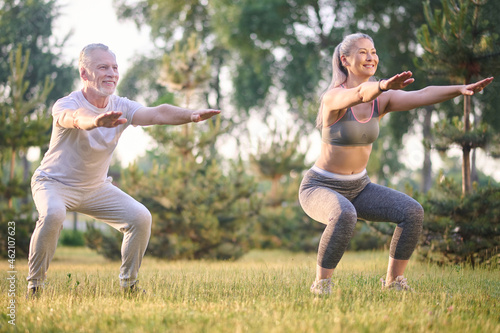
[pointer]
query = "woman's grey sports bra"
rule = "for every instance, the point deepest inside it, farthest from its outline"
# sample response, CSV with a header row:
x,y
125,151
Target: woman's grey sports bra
x,y
349,131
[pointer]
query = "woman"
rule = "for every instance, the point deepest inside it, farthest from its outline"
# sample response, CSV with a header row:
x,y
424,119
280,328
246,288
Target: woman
x,y
336,191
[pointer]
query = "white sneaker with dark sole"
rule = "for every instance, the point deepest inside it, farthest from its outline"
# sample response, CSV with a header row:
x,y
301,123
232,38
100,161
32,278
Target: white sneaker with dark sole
x,y
322,287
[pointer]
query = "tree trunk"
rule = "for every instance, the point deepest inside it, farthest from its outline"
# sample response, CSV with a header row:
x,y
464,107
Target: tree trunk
x,y
75,221
473,172
466,148
26,172
11,175
427,166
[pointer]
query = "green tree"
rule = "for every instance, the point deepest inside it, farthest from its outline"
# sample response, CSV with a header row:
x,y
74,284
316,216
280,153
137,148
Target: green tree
x,y
397,52
24,123
278,164
461,229
270,47
26,25
174,21
287,46
30,23
280,44
138,82
463,46
200,210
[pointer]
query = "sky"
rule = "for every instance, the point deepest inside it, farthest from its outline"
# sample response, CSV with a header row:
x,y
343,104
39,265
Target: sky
x,y
95,21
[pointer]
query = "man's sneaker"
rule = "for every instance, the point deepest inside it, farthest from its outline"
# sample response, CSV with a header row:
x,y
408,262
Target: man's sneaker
x,y
322,287
400,284
134,290
33,293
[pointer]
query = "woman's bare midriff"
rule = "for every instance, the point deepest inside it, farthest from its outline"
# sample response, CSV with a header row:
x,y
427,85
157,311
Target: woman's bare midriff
x,y
343,160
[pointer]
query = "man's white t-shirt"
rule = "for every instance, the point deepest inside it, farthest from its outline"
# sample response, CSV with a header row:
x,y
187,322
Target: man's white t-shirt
x,y
78,157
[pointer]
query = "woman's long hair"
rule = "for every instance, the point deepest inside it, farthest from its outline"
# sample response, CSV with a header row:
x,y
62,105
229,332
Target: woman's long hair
x,y
339,72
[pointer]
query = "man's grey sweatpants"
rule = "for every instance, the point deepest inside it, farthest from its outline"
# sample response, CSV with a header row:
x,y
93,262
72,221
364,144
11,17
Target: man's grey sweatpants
x,y
106,203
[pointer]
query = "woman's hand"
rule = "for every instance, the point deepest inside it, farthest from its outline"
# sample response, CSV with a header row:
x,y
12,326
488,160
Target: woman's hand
x,y
397,82
473,88
201,115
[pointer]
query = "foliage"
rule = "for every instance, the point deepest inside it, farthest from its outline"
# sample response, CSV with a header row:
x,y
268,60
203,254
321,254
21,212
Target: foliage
x,y
29,82
23,124
137,82
368,236
459,228
173,22
281,223
185,69
22,216
72,238
451,133
30,23
108,244
198,211
279,44
460,44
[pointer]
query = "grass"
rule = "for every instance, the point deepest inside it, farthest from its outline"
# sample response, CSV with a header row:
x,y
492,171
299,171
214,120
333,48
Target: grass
x,y
266,291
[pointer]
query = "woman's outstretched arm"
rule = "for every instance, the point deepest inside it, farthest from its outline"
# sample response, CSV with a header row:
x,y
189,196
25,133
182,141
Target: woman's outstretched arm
x,y
399,100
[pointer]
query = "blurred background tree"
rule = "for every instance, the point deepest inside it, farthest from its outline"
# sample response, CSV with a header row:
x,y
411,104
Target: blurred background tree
x,y
30,23
462,44
32,77
265,63
278,54
202,207
24,123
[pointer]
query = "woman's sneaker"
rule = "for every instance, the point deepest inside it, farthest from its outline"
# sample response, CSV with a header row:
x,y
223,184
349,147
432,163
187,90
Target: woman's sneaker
x,y
322,287
400,284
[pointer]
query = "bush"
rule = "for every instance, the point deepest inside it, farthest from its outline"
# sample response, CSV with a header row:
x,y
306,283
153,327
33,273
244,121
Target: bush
x,y
458,228
72,238
24,218
286,227
107,244
368,238
198,211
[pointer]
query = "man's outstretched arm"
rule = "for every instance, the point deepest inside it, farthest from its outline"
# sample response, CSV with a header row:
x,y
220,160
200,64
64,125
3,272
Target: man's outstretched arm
x,y
87,120
167,114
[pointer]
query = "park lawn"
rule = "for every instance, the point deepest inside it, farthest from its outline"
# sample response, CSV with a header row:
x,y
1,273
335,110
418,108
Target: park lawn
x,y
266,291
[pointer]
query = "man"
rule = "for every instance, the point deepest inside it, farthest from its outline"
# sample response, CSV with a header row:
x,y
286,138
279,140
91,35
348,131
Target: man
x,y
73,173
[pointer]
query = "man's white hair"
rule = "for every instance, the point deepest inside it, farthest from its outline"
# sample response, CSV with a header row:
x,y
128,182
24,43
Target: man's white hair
x,y
84,60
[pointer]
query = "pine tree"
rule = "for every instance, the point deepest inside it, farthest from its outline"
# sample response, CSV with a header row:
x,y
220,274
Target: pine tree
x,y
200,208
463,46
278,164
24,123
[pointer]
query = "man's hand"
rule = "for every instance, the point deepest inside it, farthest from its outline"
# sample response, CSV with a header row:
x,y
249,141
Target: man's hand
x,y
87,120
109,119
201,115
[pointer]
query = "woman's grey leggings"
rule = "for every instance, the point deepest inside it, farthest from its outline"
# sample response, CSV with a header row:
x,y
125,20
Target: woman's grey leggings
x,y
339,204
